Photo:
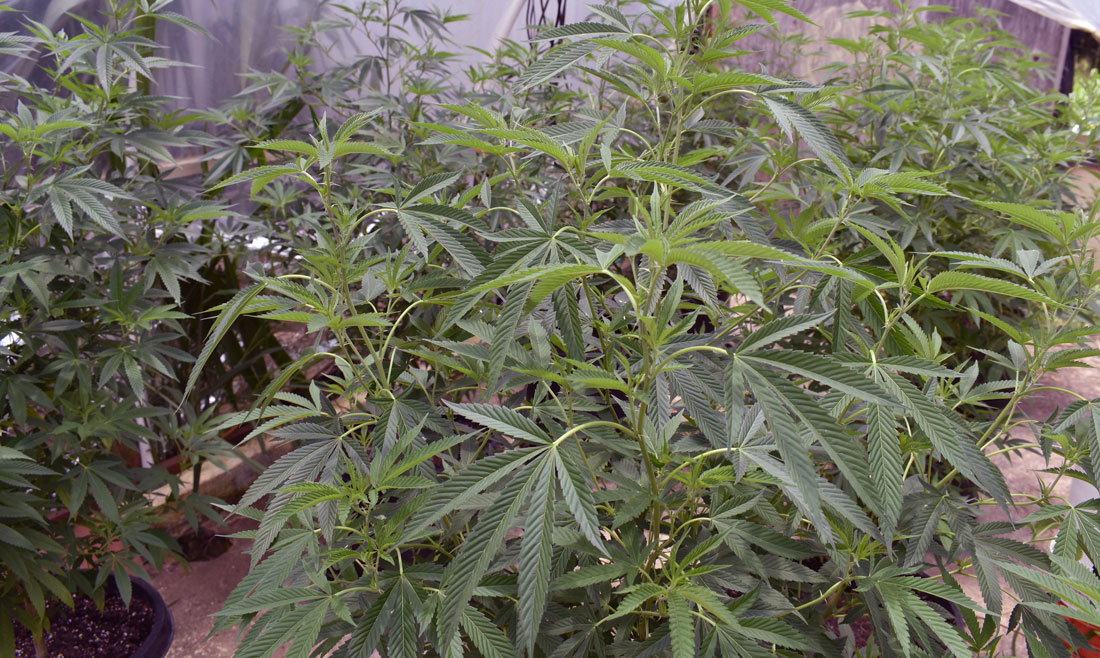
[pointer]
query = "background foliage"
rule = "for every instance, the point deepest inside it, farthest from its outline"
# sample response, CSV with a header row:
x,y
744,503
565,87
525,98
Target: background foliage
x,y
102,252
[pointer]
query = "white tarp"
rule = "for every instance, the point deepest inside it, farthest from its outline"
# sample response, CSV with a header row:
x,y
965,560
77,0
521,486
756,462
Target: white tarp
x,y
1078,14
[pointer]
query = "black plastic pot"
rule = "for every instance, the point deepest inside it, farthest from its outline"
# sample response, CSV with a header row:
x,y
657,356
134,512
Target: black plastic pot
x,y
160,635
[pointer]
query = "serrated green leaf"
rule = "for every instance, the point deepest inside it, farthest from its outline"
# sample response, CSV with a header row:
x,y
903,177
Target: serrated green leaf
x,y
577,30
1044,221
956,280
577,491
554,62
534,559
590,575
489,640
478,549
885,465
681,626
790,115
825,369
503,419
285,596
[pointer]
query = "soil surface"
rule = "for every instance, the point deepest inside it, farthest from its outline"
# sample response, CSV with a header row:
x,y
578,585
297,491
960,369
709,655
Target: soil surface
x,y
204,544
85,632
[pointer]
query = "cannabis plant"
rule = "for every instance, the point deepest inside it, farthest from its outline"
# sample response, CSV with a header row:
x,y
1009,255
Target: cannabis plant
x,y
963,98
99,252
590,398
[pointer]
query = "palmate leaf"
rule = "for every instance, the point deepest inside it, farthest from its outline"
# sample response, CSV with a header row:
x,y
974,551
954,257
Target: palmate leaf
x,y
636,595
821,140
13,44
504,336
465,250
986,572
734,645
428,186
697,395
948,634
363,148
662,172
496,275
87,194
274,629
916,365
701,283
911,182
403,640
567,317
747,249
551,281
311,495
792,444
764,9
478,549
590,575
899,625
286,596
939,589
535,139
417,456
611,14
724,268
713,82
445,214
720,260
772,631
288,502
1069,581
948,437
266,173
1044,221
306,636
485,116
370,626
648,55
847,453
469,482
292,145
550,278
778,329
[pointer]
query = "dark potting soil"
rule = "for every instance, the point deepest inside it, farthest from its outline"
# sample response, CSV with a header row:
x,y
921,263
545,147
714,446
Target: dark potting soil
x,y
85,632
204,544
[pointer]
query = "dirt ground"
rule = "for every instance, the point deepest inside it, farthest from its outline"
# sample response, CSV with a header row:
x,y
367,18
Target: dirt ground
x,y
196,592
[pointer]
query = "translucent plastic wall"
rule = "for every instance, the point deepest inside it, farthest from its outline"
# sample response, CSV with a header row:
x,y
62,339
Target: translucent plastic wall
x,y
249,35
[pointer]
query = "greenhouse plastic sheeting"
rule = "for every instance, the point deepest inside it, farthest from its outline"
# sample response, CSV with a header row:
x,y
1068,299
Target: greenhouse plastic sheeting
x,y
1078,14
246,35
